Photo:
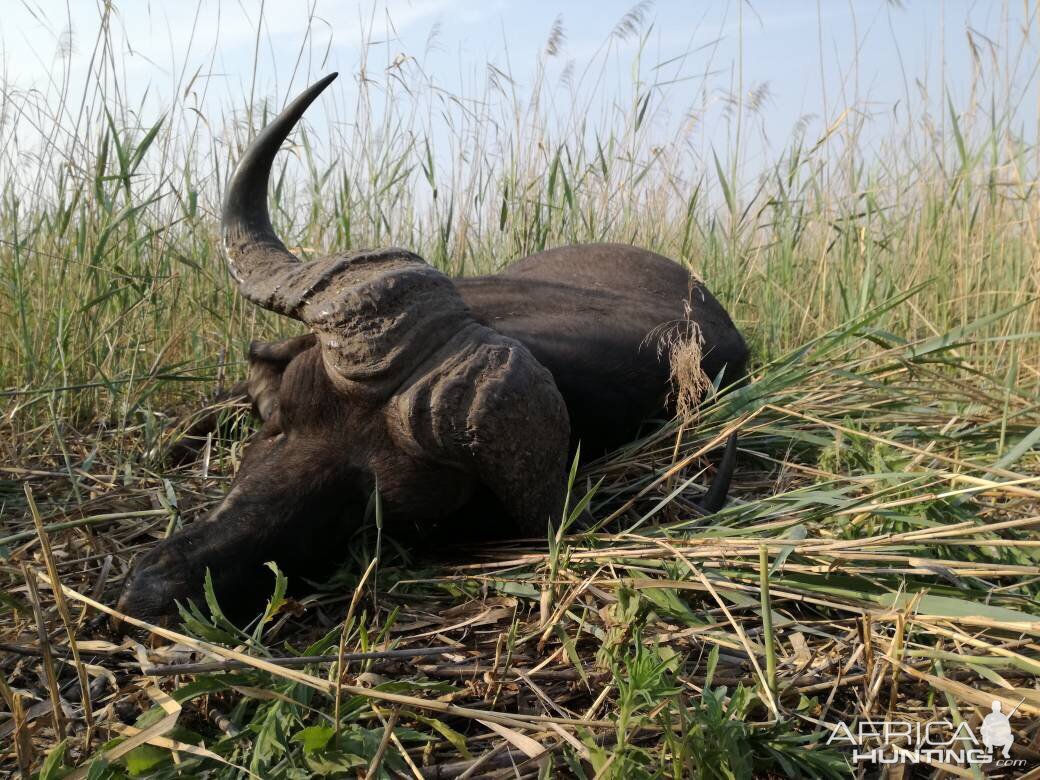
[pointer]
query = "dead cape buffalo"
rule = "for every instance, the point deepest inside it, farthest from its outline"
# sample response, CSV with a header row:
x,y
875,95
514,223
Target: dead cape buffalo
x,y
440,394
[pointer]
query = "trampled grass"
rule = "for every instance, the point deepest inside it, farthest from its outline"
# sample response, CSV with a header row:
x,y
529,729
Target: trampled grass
x,y
888,473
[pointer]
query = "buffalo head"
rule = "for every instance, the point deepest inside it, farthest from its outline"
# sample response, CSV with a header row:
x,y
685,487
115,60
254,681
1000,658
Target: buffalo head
x,y
398,389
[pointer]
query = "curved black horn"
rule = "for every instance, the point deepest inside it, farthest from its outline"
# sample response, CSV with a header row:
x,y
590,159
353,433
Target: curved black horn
x,y
716,496
256,257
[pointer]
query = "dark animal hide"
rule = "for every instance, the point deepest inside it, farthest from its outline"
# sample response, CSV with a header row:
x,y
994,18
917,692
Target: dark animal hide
x,y
441,395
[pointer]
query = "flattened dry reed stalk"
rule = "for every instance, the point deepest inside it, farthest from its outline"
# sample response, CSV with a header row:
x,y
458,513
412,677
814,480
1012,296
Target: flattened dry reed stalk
x,y
323,686
46,656
767,618
21,739
384,742
22,536
306,660
63,612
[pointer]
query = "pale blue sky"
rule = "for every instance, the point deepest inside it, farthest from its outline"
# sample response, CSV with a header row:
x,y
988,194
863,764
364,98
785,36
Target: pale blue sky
x,y
874,55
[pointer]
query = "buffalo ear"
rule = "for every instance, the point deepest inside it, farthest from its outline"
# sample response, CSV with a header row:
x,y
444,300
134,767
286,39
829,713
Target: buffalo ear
x,y
491,409
267,363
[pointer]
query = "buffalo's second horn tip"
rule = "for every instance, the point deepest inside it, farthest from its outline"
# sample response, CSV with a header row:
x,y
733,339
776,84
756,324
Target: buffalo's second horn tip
x,y
715,498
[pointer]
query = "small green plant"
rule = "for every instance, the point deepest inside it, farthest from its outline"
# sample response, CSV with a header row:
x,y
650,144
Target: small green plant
x,y
708,736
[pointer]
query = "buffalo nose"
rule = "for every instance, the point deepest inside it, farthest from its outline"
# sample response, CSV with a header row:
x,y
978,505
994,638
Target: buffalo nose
x,y
116,622
125,605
